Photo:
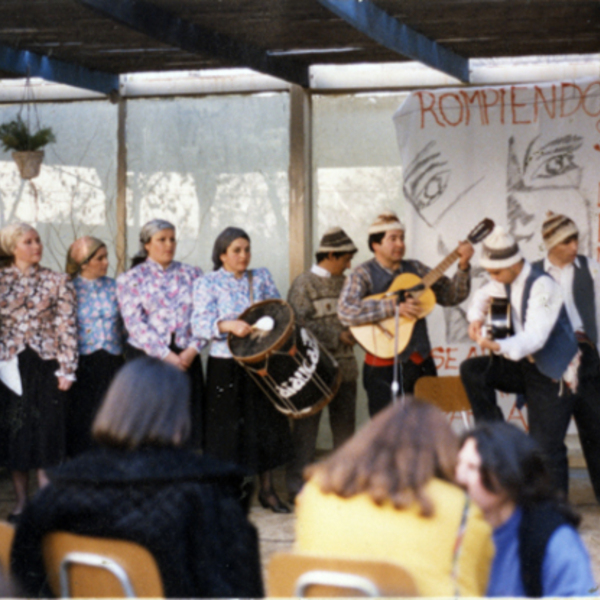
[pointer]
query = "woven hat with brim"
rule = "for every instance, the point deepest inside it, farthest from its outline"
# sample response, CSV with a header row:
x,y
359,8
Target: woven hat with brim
x,y
499,250
556,229
336,239
386,221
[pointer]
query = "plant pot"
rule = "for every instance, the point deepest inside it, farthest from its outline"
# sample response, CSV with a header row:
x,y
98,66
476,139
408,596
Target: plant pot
x,y
29,162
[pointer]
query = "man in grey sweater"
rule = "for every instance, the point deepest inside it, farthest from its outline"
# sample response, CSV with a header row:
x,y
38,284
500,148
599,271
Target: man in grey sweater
x,y
314,297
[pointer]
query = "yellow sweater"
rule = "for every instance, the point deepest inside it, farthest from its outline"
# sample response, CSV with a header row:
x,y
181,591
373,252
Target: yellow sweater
x,y
357,528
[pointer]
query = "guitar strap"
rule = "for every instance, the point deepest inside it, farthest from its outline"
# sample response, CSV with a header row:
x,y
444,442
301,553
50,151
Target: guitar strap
x,y
250,288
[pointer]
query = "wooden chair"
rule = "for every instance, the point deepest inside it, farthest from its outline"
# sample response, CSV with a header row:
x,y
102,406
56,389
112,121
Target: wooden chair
x,y
447,393
87,567
7,535
304,575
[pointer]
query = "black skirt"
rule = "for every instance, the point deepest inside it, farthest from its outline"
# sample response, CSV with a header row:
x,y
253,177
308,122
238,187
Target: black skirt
x,y
241,424
197,380
94,374
34,423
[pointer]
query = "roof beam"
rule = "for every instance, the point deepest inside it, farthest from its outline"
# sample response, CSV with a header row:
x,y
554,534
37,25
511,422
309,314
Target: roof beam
x,y
30,64
167,27
368,18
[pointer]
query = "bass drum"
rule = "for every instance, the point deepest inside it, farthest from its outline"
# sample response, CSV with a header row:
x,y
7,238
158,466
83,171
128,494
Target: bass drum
x,y
286,361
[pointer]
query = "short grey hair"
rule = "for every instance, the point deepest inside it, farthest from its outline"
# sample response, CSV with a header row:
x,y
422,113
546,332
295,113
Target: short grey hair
x,y
146,233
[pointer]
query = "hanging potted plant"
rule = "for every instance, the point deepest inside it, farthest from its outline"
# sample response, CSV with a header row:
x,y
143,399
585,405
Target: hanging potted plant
x,y
16,136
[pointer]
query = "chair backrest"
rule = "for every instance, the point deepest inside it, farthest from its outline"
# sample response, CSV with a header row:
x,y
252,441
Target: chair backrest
x,y
446,392
304,575
89,567
7,534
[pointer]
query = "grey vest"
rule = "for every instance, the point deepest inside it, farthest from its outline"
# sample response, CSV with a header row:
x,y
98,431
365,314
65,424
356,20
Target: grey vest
x,y
381,281
553,359
584,296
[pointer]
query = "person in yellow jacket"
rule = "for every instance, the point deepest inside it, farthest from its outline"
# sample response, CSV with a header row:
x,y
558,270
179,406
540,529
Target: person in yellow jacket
x,y
389,494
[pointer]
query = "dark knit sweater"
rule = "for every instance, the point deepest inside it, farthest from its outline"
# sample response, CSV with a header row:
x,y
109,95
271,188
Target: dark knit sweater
x,y
314,300
182,507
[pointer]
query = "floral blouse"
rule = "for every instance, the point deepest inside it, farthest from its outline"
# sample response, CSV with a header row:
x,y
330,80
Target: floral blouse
x,y
156,304
219,296
99,324
38,309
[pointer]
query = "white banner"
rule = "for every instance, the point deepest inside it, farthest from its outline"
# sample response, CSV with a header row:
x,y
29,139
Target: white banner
x,y
510,153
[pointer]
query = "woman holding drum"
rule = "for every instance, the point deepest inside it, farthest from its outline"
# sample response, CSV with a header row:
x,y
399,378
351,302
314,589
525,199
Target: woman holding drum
x,y
240,423
155,298
38,358
100,337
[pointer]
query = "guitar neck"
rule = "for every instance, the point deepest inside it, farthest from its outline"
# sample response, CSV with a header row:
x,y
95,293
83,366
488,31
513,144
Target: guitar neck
x,y
438,271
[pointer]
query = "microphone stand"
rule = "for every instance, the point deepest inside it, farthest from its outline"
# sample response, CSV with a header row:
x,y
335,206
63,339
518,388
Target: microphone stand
x,y
396,387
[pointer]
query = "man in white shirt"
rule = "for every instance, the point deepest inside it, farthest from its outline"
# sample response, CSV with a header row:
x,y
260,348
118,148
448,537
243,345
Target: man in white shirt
x,y
531,362
579,279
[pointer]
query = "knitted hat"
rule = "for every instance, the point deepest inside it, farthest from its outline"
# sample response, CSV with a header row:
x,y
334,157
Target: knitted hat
x,y
336,240
80,251
386,221
556,229
499,250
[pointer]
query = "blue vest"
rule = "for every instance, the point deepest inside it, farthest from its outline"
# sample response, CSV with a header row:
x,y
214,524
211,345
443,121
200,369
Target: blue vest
x,y
584,296
554,357
381,279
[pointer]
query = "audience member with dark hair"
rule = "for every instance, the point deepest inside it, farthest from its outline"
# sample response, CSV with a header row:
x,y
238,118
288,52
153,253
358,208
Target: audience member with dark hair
x,y
140,485
538,550
389,494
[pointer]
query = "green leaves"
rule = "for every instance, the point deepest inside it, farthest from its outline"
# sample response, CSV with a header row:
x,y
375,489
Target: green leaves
x,y
15,135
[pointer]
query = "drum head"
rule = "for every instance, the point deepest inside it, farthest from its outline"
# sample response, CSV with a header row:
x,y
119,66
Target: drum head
x,y
259,344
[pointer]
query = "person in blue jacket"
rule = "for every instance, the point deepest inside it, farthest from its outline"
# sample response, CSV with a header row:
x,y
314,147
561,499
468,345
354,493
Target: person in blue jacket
x,y
538,550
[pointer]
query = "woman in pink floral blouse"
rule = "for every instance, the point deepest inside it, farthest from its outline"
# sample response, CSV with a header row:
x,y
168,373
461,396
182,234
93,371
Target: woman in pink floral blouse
x,y
38,358
155,299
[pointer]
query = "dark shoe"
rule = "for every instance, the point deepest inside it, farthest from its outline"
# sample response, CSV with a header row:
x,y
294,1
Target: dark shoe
x,y
14,518
273,502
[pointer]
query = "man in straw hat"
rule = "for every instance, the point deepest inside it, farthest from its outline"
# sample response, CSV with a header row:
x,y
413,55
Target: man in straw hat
x,y
579,279
532,362
386,241
314,297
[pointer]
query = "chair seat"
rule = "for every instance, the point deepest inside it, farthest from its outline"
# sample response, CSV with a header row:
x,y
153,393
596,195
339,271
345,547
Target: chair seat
x,y
306,575
96,567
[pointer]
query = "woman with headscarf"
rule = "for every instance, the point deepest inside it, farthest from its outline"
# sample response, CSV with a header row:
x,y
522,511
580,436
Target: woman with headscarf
x,y
240,423
155,299
38,358
99,334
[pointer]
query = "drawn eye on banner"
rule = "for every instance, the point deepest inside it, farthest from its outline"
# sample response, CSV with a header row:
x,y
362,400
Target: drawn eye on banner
x,y
510,153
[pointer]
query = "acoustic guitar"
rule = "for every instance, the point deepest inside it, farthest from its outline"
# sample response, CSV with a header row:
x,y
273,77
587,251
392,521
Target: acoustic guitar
x,y
378,338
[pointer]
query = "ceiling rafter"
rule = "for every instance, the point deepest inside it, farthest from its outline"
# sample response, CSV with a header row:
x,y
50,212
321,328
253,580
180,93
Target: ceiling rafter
x,y
371,20
162,25
31,64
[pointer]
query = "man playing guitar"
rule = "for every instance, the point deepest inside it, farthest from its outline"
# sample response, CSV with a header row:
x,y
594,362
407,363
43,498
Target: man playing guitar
x,y
386,241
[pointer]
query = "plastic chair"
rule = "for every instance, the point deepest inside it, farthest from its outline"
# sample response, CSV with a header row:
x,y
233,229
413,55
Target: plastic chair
x,y
447,393
87,567
304,575
7,535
